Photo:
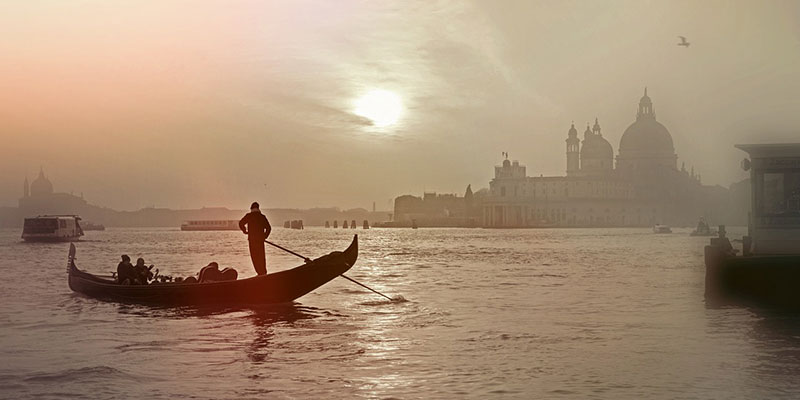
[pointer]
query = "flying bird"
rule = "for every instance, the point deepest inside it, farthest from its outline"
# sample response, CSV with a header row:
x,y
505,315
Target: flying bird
x,y
683,42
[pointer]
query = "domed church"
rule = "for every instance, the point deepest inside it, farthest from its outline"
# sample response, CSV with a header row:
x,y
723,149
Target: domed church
x,y
644,188
41,186
38,197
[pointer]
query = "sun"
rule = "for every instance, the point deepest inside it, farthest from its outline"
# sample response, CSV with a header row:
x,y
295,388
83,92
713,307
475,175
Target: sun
x,y
382,107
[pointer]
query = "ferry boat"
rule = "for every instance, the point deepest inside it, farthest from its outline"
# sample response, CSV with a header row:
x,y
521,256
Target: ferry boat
x,y
52,228
703,229
91,226
767,272
211,225
658,228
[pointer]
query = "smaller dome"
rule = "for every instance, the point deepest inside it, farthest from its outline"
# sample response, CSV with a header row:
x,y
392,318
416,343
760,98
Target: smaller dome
x,y
573,131
596,146
506,163
587,133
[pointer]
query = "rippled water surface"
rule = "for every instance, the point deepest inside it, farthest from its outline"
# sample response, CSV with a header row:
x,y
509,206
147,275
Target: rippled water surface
x,y
591,313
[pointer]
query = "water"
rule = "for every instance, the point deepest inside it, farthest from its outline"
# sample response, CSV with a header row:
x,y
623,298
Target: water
x,y
582,313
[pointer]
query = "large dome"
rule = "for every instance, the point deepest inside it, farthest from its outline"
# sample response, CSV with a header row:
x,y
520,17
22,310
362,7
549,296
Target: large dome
x,y
646,143
646,136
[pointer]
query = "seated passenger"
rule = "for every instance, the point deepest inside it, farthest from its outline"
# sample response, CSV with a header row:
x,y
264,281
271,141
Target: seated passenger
x,y
725,243
143,272
211,273
126,273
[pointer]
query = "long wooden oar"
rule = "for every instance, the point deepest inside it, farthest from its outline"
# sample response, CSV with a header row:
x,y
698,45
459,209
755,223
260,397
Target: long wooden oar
x,y
342,275
306,259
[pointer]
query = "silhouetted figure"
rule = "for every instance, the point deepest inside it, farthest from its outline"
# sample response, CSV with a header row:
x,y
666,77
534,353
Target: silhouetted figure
x,y
143,272
211,273
255,225
724,242
683,42
702,227
126,273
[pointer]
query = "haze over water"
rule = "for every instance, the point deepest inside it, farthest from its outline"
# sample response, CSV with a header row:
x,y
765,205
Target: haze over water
x,y
301,104
202,103
579,313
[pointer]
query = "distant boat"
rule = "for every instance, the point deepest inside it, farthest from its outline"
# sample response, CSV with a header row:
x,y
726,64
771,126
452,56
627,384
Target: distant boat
x,y
52,228
211,225
89,226
703,229
414,224
658,228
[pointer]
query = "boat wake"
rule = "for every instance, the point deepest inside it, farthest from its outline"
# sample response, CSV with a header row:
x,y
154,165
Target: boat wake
x,y
395,299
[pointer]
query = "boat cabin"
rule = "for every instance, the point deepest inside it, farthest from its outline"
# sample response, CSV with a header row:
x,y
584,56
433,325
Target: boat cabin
x,y
48,228
211,225
774,221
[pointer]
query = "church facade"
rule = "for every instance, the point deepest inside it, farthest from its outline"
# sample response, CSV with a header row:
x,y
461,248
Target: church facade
x,y
642,186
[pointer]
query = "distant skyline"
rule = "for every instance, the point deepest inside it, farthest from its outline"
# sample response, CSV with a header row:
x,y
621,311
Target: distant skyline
x,y
192,104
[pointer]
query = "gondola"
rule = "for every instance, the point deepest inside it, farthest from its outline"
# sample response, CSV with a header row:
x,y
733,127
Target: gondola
x,y
275,288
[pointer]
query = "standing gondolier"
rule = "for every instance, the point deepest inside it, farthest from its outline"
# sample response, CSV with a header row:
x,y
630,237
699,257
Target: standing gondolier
x,y
255,225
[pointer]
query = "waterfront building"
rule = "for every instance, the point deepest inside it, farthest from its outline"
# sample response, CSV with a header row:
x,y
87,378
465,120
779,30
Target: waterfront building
x,y
436,210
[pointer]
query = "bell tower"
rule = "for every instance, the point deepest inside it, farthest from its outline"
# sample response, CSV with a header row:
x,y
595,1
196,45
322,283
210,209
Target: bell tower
x,y
573,154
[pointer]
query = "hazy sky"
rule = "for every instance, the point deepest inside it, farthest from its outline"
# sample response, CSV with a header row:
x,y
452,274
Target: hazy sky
x,y
191,103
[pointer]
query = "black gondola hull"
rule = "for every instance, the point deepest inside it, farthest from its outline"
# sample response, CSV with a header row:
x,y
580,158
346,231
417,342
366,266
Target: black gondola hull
x,y
280,287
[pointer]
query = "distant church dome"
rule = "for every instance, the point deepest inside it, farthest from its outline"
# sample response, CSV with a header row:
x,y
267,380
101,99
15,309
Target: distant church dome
x,y
41,185
646,138
597,155
595,145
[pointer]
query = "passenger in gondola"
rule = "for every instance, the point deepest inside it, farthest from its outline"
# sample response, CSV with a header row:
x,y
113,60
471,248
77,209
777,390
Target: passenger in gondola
x,y
255,225
126,273
143,272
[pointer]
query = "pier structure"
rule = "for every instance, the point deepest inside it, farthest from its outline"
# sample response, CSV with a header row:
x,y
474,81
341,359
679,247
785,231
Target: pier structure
x,y
767,269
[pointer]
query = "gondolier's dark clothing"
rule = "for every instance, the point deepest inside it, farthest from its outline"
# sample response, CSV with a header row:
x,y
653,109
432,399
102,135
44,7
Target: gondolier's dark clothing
x,y
257,228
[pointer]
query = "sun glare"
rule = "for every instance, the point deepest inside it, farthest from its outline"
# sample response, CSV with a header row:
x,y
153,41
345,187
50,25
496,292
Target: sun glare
x,y
382,107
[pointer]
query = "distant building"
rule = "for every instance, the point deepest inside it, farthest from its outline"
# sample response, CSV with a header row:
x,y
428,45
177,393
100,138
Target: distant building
x,y
432,209
39,198
645,187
